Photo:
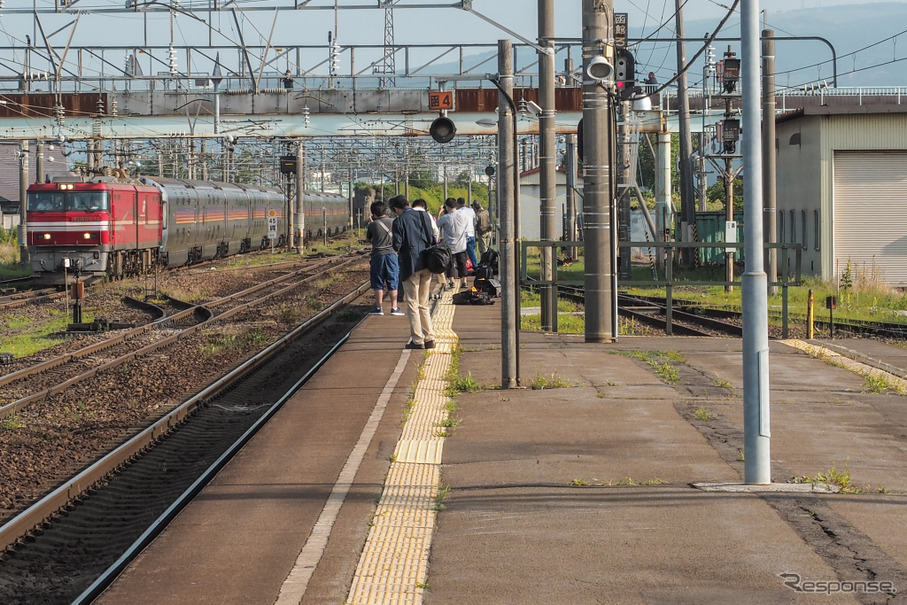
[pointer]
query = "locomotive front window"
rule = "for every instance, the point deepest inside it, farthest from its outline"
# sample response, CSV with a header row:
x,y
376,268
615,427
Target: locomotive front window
x,y
87,201
46,201
77,201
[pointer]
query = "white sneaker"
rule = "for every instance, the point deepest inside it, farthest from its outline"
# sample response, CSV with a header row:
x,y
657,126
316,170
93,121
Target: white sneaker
x,y
397,311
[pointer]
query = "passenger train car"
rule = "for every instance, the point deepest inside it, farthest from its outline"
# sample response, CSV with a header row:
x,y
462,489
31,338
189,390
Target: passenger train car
x,y
108,227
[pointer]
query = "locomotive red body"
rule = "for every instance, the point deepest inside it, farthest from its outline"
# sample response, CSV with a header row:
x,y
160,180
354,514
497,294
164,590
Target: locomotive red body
x,y
108,227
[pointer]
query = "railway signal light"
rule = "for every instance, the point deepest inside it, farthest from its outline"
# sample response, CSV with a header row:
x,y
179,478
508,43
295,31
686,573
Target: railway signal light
x,y
442,130
728,134
625,74
729,72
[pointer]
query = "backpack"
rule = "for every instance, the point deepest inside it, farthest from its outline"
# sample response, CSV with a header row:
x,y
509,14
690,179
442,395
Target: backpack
x,y
490,258
472,297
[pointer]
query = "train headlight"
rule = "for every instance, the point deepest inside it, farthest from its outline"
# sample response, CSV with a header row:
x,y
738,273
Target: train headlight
x,y
86,235
45,236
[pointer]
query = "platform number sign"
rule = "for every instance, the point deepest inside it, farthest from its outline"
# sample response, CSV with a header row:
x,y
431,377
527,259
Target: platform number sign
x,y
620,30
438,101
272,224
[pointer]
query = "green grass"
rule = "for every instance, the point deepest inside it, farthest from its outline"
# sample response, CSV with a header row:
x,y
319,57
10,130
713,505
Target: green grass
x,y
867,299
703,414
10,267
660,361
39,337
218,343
11,423
832,476
571,318
543,382
441,498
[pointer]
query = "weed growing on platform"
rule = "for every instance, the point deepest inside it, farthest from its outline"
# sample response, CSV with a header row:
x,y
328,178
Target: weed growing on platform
x,y
661,362
555,382
832,477
465,384
722,383
441,498
627,481
703,414
450,421
876,382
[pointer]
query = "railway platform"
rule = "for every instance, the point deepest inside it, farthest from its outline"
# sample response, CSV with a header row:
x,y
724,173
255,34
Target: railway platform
x,y
612,476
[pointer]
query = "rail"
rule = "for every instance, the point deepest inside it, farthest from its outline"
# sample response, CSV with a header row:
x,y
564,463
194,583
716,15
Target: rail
x,y
787,277
71,489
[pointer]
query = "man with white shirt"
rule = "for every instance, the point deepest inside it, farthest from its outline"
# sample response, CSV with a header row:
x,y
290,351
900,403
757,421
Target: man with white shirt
x,y
470,231
453,225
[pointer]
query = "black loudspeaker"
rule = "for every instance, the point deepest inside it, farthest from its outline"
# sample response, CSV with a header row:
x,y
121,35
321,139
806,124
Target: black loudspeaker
x,y
442,130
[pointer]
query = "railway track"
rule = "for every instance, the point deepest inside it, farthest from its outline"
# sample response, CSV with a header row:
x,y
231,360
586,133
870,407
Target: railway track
x,y
94,522
876,329
28,297
51,377
650,313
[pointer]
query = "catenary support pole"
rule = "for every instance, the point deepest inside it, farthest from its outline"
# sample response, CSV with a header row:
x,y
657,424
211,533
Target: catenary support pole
x,y
598,193
508,206
573,251
39,162
756,417
547,163
623,191
23,203
687,201
662,193
300,196
770,217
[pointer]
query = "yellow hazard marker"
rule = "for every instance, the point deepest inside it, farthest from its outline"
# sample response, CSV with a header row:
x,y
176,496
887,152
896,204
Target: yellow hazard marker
x,y
393,566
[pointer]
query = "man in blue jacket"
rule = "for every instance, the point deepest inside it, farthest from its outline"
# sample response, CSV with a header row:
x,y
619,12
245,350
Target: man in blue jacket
x,y
412,235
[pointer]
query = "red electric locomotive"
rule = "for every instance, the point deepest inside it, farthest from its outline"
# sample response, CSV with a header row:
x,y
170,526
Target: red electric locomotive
x,y
101,226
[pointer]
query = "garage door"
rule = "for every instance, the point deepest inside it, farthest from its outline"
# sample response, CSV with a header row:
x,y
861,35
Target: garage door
x,y
870,214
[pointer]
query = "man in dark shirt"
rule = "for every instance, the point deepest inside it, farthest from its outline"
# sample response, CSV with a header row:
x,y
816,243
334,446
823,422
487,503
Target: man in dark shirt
x,y
412,235
383,266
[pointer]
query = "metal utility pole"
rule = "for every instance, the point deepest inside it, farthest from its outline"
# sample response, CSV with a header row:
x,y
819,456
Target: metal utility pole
x,y
687,201
508,205
770,217
571,195
662,193
756,417
39,162
300,193
598,193
624,225
23,203
548,164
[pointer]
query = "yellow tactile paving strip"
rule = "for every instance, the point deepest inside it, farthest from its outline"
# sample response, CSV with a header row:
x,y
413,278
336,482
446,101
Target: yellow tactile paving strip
x,y
394,563
845,362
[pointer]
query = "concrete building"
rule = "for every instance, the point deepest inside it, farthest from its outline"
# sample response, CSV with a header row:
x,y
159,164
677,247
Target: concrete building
x,y
842,190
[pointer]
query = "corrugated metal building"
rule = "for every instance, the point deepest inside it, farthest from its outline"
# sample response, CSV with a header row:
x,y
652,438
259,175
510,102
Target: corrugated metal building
x,y
842,189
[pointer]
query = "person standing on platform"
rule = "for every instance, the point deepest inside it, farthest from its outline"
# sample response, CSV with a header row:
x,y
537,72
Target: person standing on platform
x,y
470,231
383,267
420,205
453,228
483,228
412,235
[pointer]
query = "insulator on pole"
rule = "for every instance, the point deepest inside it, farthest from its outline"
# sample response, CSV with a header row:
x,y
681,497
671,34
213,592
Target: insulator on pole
x,y
172,61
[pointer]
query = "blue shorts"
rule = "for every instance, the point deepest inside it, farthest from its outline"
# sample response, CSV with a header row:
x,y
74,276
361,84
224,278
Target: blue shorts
x,y
384,268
